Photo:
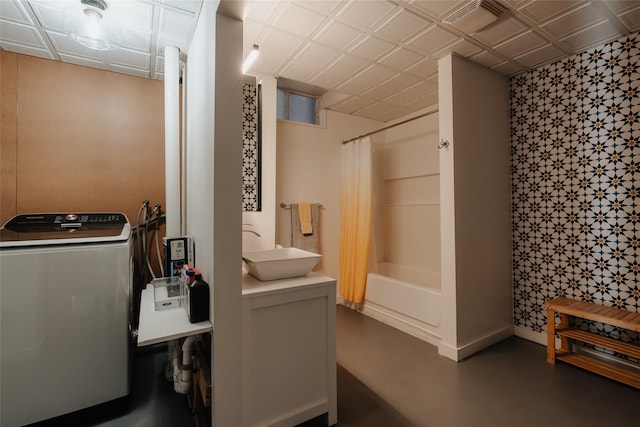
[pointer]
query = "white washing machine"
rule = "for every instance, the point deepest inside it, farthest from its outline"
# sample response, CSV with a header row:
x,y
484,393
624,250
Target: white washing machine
x,y
65,282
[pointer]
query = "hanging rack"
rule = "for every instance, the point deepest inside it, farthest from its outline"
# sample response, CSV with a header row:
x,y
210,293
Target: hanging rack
x,y
288,206
392,126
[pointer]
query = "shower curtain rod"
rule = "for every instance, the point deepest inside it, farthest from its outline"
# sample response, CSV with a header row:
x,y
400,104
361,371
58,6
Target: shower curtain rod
x,y
392,126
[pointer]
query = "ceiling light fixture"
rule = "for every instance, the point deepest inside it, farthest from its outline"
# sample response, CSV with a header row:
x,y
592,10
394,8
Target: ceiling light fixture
x,y
250,58
90,26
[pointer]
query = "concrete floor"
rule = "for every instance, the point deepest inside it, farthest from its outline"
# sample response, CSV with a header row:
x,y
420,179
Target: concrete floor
x,y
388,378
507,385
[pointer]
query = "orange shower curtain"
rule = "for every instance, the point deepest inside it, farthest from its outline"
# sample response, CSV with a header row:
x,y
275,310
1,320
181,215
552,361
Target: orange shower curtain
x,y
355,240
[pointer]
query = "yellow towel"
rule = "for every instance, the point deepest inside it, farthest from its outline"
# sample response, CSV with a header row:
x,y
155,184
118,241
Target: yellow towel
x,y
304,212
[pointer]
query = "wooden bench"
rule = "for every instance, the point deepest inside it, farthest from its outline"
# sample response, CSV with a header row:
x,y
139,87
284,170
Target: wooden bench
x,y
566,307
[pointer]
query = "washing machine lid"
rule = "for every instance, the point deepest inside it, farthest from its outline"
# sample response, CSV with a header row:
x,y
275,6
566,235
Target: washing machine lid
x,y
63,229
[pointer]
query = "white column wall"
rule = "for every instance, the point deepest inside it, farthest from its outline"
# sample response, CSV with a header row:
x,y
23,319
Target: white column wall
x,y
213,187
476,207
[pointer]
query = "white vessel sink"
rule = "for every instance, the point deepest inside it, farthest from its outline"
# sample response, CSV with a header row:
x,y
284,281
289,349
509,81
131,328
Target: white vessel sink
x,y
280,263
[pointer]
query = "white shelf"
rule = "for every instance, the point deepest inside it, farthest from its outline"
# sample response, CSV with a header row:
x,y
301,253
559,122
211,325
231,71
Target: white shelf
x,y
158,326
422,175
411,204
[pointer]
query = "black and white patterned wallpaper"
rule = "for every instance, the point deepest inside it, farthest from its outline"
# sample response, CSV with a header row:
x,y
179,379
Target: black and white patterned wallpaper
x,y
250,150
575,140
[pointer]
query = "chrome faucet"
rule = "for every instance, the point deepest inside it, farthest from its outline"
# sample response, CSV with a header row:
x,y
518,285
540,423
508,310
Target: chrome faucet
x,y
250,231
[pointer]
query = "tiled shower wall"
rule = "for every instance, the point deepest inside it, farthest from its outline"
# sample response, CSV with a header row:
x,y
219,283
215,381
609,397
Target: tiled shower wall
x,y
575,140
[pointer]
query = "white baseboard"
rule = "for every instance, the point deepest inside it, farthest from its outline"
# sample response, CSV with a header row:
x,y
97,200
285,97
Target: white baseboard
x,y
403,323
457,353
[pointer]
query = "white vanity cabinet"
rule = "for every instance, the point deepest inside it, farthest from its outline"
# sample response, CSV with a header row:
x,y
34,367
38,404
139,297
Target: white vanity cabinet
x,y
289,350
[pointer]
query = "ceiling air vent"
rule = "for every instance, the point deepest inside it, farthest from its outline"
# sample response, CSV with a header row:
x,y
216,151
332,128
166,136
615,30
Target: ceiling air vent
x,y
475,15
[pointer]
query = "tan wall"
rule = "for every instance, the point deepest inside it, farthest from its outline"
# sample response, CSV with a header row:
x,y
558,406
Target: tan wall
x,y
78,139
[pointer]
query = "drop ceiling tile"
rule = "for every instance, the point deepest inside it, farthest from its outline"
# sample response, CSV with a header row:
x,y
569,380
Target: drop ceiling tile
x,y
267,64
353,86
571,23
280,44
186,5
438,9
433,40
160,64
598,34
49,17
297,71
80,60
297,20
522,43
133,14
620,6
396,113
14,11
137,40
391,86
129,70
316,56
401,26
371,48
19,34
543,55
631,19
328,80
126,57
325,7
338,35
500,31
418,90
463,47
487,59
65,45
508,68
375,111
263,11
429,100
175,24
372,76
26,50
424,87
401,98
252,33
400,59
541,11
424,68
375,75
352,104
348,66
365,14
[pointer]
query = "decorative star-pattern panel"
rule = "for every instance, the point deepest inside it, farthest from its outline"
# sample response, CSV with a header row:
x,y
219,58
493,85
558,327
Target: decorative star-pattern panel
x,y
250,150
575,139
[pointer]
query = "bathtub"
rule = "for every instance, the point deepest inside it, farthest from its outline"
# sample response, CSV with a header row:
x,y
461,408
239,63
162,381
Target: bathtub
x,y
411,307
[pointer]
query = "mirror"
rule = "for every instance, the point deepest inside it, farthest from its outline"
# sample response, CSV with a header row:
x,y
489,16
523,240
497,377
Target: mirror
x,y
251,145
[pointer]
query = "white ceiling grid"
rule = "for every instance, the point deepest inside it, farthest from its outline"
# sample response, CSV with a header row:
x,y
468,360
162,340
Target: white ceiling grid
x,y
378,57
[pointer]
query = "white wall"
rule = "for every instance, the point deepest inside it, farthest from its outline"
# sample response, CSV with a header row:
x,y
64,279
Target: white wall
x,y
407,200
309,170
264,222
213,187
475,194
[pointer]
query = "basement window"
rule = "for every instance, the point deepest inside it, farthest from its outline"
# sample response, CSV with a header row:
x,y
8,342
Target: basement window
x,y
297,107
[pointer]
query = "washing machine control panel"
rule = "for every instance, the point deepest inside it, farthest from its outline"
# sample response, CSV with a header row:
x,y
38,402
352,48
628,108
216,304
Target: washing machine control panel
x,y
65,226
